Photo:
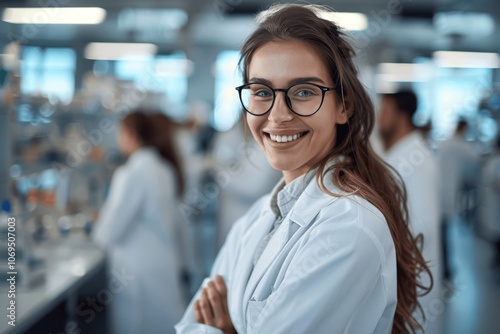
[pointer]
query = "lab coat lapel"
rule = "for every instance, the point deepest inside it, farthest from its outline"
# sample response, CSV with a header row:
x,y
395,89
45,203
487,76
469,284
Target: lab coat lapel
x,y
250,241
270,253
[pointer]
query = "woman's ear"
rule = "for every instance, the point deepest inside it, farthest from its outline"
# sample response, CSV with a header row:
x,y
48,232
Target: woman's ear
x,y
343,112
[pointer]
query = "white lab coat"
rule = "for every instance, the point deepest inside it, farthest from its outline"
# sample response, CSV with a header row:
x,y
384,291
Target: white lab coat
x,y
414,162
330,267
490,198
458,162
137,226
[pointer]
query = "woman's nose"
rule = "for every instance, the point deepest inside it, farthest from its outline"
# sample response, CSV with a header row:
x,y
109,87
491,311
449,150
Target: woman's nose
x,y
280,112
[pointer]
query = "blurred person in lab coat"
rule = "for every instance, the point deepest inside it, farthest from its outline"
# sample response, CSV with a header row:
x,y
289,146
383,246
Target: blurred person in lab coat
x,y
244,176
408,153
137,227
490,201
459,163
329,249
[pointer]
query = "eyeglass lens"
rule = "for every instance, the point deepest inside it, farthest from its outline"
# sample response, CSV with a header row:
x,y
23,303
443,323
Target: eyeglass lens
x,y
304,99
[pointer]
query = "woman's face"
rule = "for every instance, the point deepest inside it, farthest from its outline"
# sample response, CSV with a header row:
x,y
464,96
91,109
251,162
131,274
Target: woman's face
x,y
127,141
279,63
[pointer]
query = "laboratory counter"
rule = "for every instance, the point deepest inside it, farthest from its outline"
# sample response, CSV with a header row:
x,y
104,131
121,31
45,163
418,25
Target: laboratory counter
x,y
68,295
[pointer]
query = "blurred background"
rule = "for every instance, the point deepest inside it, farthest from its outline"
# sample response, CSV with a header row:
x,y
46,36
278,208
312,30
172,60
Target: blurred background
x,y
67,78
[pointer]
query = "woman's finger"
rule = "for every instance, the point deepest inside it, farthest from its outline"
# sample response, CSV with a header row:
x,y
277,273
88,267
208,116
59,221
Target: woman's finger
x,y
215,301
206,309
197,312
221,287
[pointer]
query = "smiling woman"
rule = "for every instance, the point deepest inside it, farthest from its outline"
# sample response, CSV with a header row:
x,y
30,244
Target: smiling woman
x,y
297,65
330,249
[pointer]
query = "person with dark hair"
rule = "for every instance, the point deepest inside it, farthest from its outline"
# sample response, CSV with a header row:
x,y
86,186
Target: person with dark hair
x,y
396,117
408,153
329,250
163,140
137,226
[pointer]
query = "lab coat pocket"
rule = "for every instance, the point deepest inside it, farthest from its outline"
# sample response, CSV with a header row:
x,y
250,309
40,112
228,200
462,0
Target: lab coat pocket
x,y
255,314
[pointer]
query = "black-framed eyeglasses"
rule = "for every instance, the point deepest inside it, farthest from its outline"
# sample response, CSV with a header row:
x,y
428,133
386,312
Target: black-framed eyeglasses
x,y
303,99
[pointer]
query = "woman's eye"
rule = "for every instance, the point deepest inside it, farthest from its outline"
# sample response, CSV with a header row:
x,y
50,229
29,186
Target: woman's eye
x,y
263,93
304,93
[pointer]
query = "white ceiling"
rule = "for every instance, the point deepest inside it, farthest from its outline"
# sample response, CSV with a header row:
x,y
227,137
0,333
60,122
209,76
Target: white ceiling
x,y
225,23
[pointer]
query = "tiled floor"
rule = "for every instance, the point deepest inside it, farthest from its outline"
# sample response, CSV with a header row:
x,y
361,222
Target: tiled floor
x,y
474,308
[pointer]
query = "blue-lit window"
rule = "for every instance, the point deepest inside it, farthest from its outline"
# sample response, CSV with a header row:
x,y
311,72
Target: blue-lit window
x,y
424,92
166,75
48,72
457,93
227,76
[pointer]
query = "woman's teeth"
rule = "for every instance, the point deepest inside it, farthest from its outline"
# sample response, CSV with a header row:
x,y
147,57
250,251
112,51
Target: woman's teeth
x,y
286,139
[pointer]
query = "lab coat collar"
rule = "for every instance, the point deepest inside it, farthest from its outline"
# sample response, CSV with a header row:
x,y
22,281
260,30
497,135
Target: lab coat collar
x,y
274,197
142,153
284,196
313,199
401,147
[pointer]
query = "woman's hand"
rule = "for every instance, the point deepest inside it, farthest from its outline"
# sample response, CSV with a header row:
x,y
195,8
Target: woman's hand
x,y
211,309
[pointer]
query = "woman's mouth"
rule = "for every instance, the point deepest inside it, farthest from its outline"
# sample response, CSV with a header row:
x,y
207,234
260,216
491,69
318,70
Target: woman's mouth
x,y
286,138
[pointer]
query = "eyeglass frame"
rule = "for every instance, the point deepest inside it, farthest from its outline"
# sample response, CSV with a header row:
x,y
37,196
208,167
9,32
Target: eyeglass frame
x,y
324,89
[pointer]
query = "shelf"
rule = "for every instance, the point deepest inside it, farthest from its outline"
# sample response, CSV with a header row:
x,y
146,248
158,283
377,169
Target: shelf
x,y
27,169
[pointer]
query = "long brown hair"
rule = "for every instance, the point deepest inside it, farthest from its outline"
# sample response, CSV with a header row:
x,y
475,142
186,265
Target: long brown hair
x,y
157,130
361,171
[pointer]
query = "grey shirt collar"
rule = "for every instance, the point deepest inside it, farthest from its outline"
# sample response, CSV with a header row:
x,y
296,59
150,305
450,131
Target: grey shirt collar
x,y
284,195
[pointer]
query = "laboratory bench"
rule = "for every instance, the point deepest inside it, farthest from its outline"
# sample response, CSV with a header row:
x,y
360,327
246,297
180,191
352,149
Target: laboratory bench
x,y
63,294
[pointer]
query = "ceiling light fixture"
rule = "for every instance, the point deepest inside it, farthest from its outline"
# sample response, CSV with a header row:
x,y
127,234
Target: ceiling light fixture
x,y
404,72
466,59
347,20
120,51
54,15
